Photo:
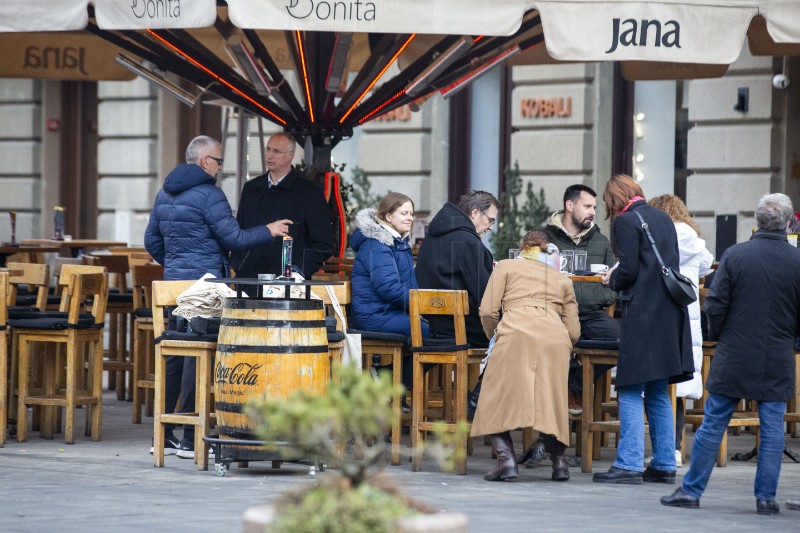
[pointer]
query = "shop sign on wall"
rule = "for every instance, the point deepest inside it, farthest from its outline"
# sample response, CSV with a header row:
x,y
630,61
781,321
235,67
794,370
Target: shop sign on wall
x,y
401,114
557,107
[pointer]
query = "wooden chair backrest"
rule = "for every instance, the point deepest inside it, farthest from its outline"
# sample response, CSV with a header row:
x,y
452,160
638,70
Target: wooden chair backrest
x,y
342,293
82,286
437,302
117,266
67,270
4,292
165,294
143,277
126,250
33,275
704,291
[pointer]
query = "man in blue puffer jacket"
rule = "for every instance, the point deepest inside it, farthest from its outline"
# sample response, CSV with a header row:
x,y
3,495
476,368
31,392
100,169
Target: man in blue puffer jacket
x,y
191,231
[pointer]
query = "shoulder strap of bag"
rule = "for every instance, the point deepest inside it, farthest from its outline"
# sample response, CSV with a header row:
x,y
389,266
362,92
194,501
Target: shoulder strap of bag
x,y
650,238
336,307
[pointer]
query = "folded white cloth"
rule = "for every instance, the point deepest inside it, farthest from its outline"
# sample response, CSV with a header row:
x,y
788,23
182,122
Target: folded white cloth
x,y
203,299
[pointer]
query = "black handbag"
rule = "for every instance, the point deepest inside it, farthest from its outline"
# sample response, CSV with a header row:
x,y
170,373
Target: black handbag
x,y
681,288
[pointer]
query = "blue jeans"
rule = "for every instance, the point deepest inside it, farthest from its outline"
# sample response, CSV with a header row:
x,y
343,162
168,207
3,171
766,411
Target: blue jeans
x,y
718,410
630,453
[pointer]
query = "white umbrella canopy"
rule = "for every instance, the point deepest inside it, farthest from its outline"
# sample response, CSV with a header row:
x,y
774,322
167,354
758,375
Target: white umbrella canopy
x,y
442,45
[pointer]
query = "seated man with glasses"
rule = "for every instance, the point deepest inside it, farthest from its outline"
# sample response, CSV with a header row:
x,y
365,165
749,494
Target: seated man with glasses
x,y
283,199
453,257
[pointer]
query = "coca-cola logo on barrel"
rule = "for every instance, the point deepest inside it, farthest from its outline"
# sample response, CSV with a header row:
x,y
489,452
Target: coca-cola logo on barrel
x,y
241,374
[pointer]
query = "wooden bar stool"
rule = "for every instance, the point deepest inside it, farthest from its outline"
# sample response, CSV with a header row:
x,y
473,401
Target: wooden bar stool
x,y
144,377
169,344
460,369
73,331
4,290
118,361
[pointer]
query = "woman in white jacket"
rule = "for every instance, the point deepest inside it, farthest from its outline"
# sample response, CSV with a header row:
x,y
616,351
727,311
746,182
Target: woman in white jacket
x,y
696,262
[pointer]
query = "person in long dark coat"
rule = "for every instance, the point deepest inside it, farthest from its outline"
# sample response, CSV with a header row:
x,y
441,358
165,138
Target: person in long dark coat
x,y
655,340
753,308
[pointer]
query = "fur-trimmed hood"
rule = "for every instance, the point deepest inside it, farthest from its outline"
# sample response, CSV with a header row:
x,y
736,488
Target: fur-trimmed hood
x,y
367,227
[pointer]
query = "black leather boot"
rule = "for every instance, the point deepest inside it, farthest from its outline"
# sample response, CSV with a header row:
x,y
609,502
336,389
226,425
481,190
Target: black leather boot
x,y
506,467
560,467
472,401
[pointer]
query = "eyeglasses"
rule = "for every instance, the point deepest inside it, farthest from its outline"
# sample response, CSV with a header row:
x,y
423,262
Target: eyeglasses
x,y
217,159
277,152
491,220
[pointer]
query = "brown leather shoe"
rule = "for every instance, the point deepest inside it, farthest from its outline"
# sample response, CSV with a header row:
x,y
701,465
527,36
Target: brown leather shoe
x,y
506,468
560,467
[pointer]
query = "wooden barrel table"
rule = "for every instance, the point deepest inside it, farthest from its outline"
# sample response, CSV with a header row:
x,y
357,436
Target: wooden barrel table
x,y
266,348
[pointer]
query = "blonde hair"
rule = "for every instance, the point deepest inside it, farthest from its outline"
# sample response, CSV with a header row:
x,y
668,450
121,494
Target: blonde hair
x,y
676,209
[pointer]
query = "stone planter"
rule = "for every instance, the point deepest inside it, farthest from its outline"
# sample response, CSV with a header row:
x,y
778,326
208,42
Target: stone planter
x,y
257,520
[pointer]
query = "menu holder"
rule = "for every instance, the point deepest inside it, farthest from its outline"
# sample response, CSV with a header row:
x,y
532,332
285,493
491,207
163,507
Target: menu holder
x,y
792,237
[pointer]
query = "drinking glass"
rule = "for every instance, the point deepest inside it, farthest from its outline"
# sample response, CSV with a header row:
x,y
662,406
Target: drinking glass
x,y
567,261
513,253
580,260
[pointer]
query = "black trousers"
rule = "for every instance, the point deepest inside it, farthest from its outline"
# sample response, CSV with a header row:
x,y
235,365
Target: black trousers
x,y
597,325
180,383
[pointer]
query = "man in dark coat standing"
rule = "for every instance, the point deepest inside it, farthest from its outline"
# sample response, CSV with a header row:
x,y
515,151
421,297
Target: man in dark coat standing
x,y
753,310
283,196
452,257
190,233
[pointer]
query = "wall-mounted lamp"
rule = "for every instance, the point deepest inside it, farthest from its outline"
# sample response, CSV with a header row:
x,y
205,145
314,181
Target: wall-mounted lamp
x,y
639,157
247,64
742,100
638,175
156,79
473,75
440,63
639,116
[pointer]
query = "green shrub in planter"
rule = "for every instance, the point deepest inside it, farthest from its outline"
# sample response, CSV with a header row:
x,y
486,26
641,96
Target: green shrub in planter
x,y
357,411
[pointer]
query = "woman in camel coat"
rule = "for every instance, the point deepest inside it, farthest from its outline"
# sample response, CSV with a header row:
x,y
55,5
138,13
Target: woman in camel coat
x,y
531,309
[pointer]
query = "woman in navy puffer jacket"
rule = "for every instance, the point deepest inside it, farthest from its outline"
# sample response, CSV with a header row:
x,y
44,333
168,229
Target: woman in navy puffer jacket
x,y
383,271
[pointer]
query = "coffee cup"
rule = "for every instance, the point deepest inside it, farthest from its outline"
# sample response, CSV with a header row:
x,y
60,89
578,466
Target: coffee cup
x,y
598,267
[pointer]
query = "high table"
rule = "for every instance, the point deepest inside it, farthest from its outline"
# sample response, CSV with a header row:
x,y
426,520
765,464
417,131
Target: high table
x,y
241,283
74,247
11,249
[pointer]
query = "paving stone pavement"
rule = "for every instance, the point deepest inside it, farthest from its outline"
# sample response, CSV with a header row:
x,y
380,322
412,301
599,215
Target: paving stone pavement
x,y
112,485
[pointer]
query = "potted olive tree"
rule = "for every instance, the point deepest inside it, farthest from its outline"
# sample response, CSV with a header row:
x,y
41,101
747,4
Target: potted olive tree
x,y
355,409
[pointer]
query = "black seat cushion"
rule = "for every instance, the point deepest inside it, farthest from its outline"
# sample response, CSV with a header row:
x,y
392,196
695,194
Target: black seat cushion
x,y
143,312
440,344
598,344
85,321
120,298
25,300
335,336
199,325
173,335
379,335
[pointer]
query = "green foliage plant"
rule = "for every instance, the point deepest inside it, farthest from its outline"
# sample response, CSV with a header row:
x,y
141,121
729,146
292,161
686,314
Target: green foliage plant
x,y
355,408
516,220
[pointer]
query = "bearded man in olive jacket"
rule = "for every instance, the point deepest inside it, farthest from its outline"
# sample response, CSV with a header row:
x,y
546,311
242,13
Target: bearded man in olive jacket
x,y
753,310
452,257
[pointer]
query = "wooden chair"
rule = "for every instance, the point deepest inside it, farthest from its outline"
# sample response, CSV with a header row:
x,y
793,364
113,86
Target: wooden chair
x,y
170,344
73,331
335,269
35,277
118,361
4,396
144,378
457,355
